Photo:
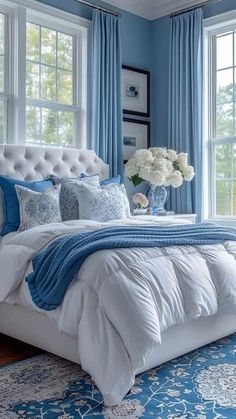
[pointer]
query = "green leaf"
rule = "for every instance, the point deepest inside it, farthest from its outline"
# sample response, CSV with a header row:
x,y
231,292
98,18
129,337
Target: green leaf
x,y
176,165
136,180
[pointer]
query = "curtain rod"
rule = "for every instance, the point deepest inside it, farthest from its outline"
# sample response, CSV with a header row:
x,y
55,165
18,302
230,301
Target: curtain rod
x,y
94,6
189,9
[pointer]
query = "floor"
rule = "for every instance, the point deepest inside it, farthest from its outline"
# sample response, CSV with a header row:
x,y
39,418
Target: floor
x,y
12,350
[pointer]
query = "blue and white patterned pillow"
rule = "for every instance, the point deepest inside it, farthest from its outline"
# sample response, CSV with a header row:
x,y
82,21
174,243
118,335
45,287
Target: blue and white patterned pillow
x,y
100,204
69,204
122,189
38,208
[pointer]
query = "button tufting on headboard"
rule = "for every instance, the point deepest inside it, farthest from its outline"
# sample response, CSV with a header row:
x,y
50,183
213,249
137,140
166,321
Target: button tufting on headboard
x,y
35,163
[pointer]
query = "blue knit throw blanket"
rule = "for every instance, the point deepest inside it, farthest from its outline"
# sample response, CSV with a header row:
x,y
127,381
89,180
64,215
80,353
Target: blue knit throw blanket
x,y
55,267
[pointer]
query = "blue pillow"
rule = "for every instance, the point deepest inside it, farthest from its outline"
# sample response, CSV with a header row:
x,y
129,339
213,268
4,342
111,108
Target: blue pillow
x,y
83,175
113,180
11,203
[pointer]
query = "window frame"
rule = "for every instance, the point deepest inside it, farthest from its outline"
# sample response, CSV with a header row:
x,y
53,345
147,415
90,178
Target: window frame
x,y
212,28
20,12
7,96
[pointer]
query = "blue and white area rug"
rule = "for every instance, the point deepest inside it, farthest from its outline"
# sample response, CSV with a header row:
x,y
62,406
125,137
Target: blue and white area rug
x,y
200,385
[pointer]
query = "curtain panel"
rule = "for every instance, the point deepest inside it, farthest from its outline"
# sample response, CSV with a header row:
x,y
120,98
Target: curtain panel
x,y
186,105
106,129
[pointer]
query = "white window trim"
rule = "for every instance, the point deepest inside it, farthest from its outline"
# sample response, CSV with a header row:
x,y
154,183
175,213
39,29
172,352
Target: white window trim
x,y
212,26
20,11
7,95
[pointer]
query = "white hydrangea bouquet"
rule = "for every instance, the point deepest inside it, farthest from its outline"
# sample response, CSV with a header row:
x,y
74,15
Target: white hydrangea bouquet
x,y
159,166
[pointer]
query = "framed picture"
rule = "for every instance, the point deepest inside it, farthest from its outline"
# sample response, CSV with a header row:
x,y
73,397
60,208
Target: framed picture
x,y
136,91
136,135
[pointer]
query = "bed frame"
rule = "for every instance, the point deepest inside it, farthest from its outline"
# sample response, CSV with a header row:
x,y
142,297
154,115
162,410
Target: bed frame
x,y
35,163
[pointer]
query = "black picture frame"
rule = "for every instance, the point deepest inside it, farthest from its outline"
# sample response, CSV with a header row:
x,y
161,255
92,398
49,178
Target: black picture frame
x,y
148,139
147,74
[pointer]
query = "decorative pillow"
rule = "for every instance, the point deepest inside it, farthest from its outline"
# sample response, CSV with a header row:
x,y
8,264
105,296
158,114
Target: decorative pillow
x,y
124,196
10,201
112,181
92,180
69,204
37,208
100,204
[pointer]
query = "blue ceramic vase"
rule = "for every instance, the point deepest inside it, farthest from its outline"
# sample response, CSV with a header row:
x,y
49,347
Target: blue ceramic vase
x,y
157,196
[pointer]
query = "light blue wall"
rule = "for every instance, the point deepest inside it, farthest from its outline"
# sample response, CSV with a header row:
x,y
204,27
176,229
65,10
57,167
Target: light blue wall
x,y
135,31
160,69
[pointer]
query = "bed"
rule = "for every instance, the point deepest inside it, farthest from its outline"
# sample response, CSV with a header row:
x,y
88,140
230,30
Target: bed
x,y
35,327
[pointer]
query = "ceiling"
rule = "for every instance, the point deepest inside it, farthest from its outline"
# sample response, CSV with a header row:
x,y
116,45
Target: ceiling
x,y
152,9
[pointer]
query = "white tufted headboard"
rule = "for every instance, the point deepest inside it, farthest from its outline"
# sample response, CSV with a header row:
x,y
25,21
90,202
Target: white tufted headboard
x,y
35,163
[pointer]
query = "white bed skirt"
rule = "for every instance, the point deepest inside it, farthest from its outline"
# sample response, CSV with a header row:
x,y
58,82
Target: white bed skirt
x,y
39,330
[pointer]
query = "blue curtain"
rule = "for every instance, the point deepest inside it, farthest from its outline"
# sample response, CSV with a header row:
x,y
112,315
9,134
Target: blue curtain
x,y
106,129
185,105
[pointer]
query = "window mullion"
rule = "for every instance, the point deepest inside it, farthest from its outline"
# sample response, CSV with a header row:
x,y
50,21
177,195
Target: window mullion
x,y
212,125
75,91
56,66
8,80
40,60
20,75
41,125
51,105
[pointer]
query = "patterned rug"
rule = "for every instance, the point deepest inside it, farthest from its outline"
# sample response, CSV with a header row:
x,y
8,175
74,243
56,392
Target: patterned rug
x,y
200,385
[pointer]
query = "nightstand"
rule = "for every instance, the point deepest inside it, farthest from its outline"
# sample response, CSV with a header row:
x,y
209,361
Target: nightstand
x,y
188,217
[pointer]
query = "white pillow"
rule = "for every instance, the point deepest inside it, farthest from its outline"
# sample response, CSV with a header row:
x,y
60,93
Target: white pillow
x,y
38,208
100,204
124,195
68,197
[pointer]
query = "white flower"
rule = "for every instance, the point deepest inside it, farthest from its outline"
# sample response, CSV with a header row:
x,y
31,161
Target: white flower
x,y
143,157
182,160
156,178
188,173
159,166
175,179
131,168
172,155
160,163
159,152
169,166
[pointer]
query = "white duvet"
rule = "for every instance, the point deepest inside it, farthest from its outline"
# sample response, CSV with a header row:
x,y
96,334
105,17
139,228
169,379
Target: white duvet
x,y
123,299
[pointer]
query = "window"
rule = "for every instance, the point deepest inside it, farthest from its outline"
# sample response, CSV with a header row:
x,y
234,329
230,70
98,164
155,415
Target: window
x,y
48,63
221,120
4,77
49,86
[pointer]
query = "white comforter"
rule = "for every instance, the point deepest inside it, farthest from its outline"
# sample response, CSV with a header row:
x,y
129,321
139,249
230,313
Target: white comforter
x,y
123,299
